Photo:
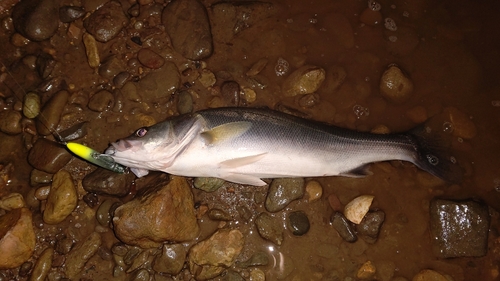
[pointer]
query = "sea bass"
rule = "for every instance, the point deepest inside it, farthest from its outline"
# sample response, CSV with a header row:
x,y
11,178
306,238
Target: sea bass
x,y
246,145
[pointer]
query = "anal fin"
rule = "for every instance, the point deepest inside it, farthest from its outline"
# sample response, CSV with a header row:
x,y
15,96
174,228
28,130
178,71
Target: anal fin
x,y
243,179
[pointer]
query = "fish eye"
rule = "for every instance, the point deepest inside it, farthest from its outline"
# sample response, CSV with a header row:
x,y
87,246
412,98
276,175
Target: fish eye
x,y
433,160
141,132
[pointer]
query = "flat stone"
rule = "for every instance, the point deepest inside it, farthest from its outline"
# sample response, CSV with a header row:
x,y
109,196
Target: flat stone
x,y
105,182
212,256
459,229
165,212
269,228
48,156
186,22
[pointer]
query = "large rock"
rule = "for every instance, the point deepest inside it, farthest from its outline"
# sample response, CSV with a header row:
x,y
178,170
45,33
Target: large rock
x,y
282,192
210,257
164,213
187,24
17,238
106,22
36,20
459,229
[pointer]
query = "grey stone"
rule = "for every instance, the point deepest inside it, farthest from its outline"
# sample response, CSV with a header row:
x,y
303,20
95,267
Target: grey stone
x,y
459,229
343,227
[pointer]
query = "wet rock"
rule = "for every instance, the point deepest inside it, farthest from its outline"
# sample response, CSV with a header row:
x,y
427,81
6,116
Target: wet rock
x,y
103,215
230,91
369,227
187,24
48,156
51,113
395,86
171,260
106,22
212,256
91,50
207,78
160,83
31,105
105,182
462,125
244,212
232,276
185,102
282,192
62,198
334,202
10,122
309,100
74,132
70,13
314,190
370,17
101,101
343,227
25,268
111,67
121,78
208,184
231,17
269,228
38,177
343,33
219,215
249,95
36,20
150,59
42,265
298,223
357,208
78,257
45,64
417,115
305,80
17,238
257,275
334,78
169,209
12,201
366,271
257,259
459,229
429,275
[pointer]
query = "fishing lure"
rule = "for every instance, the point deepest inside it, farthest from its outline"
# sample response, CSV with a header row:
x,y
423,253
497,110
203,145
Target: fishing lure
x,y
94,157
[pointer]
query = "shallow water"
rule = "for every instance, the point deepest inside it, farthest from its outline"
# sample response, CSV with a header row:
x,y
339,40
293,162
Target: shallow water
x,y
449,49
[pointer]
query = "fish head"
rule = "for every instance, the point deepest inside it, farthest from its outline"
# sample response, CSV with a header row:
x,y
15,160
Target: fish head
x,y
148,148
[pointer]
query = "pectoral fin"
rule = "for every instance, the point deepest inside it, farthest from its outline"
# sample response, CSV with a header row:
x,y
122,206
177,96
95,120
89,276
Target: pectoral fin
x,y
243,179
225,132
242,161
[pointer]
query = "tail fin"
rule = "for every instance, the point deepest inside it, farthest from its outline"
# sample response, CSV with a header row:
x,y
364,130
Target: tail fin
x,y
433,156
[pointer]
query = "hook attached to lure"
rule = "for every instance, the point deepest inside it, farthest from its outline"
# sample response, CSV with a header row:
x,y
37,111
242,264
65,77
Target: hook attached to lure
x,y
102,160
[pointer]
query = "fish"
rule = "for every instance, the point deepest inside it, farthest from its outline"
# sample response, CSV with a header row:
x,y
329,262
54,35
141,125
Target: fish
x,y
247,145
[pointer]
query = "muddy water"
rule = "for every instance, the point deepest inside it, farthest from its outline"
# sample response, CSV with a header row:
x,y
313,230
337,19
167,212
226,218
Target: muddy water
x,y
449,50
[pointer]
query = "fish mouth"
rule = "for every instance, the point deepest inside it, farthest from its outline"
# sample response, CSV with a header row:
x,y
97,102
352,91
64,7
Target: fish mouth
x,y
123,145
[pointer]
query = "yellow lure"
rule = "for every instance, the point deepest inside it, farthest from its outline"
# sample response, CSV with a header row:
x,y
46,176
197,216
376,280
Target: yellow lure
x,y
94,157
